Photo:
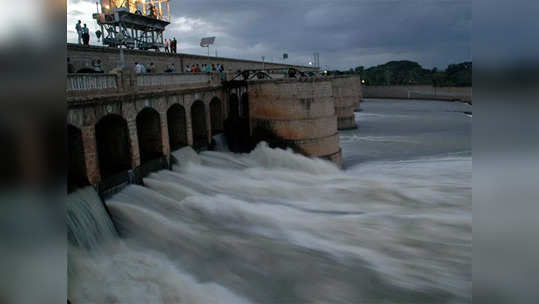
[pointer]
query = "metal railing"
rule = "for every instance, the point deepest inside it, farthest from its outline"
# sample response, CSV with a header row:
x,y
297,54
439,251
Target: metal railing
x,y
86,82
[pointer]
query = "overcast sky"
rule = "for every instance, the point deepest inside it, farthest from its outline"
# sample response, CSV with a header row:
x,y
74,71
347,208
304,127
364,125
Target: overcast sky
x,y
346,33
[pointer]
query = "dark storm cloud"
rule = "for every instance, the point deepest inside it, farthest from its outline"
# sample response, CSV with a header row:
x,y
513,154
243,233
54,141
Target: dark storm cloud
x,y
346,33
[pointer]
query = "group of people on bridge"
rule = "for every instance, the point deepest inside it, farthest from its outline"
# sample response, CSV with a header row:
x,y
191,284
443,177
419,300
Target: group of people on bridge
x,y
206,68
140,68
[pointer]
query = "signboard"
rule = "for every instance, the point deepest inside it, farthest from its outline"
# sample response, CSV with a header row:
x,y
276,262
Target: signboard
x,y
205,42
285,56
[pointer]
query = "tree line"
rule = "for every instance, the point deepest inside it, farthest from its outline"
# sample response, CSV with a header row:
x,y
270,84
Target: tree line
x,y
406,72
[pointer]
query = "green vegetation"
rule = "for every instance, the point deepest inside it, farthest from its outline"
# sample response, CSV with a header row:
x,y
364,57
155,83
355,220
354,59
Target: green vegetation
x,y
411,73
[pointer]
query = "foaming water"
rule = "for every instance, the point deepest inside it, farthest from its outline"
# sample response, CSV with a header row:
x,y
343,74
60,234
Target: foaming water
x,y
88,224
272,226
104,268
220,142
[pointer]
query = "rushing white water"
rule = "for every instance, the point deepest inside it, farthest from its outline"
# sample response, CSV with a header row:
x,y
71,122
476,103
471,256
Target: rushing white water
x,y
220,142
272,226
88,224
105,269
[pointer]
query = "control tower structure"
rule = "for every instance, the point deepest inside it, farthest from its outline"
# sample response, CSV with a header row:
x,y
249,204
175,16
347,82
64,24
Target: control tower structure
x,y
133,23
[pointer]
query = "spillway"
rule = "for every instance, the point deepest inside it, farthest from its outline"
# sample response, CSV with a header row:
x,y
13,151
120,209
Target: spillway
x,y
272,226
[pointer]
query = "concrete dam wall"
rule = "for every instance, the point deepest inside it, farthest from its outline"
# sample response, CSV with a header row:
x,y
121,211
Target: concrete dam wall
x,y
419,92
296,113
123,126
347,95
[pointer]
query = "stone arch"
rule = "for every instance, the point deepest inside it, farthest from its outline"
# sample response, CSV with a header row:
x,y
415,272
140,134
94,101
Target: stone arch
x,y
216,116
149,135
177,127
244,113
76,174
233,106
198,123
112,138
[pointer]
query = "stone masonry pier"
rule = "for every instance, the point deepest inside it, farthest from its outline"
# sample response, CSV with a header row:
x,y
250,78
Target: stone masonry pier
x,y
347,95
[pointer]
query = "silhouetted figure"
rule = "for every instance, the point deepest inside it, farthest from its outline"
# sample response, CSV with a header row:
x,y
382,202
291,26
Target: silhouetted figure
x,y
97,66
85,35
152,68
78,27
70,67
174,45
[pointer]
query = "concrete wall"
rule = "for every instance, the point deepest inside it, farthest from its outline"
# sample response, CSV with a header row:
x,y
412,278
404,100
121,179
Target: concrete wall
x,y
296,113
359,87
346,92
83,56
425,92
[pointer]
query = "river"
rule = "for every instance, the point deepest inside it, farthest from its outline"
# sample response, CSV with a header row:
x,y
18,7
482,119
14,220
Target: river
x,y
271,226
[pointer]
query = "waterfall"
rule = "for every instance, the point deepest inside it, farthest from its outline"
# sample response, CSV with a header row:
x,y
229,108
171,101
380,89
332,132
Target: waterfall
x,y
220,142
272,226
88,224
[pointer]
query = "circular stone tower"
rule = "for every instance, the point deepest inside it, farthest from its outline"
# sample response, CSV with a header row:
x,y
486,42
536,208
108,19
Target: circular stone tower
x,y
299,114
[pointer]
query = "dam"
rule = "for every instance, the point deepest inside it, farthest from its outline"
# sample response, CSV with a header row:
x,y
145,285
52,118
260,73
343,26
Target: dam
x,y
161,211
122,126
255,182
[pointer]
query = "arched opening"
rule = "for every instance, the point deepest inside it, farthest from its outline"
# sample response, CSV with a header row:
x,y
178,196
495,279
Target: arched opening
x,y
236,125
149,135
198,121
86,70
112,136
177,130
76,172
233,106
216,115
244,105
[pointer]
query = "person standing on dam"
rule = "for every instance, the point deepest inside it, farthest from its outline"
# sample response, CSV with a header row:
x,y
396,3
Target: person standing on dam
x,y
78,27
174,46
151,68
140,68
167,46
85,35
